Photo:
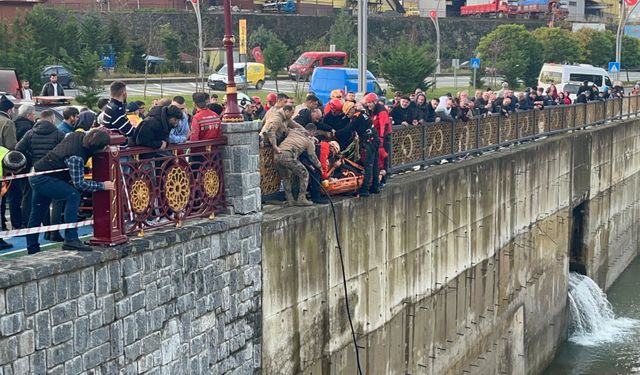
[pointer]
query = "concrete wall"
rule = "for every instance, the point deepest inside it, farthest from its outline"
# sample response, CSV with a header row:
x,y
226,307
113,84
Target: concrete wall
x,y
612,206
460,268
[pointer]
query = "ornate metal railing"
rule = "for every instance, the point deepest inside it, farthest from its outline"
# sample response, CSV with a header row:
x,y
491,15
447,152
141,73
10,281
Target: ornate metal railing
x,y
156,188
429,143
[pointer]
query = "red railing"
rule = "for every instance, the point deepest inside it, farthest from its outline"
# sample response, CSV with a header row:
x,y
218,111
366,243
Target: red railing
x,y
156,188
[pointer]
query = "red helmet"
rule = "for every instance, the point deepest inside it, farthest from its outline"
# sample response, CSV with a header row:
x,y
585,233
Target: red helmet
x,y
256,100
335,104
272,97
370,97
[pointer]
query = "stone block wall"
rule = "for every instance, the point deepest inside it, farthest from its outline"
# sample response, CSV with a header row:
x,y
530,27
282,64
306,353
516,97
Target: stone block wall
x,y
180,301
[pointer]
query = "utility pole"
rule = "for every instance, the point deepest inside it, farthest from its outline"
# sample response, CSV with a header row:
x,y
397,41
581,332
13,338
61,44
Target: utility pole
x,y
196,9
624,17
363,9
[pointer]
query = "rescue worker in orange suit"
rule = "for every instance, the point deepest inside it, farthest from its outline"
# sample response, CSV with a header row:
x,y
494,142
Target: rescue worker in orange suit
x,y
362,125
335,94
382,124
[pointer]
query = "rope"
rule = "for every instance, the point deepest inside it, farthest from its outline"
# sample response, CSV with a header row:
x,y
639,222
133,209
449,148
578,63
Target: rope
x,y
42,229
30,174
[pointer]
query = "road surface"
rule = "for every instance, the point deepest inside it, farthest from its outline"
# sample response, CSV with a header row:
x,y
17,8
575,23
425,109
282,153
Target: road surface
x,y
156,90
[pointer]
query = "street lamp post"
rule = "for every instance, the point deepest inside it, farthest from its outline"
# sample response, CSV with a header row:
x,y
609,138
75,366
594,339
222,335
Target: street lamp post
x,y
231,112
434,18
196,9
624,17
363,9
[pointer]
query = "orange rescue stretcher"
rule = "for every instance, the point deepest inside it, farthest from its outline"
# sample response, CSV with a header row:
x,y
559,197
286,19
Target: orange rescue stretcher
x,y
352,178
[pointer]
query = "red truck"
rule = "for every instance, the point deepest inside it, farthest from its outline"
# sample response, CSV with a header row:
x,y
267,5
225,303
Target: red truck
x,y
499,8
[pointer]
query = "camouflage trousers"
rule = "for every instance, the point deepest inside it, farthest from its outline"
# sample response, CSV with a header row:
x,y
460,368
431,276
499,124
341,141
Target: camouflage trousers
x,y
288,167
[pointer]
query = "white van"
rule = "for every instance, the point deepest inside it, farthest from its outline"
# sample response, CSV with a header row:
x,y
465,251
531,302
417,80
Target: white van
x,y
561,75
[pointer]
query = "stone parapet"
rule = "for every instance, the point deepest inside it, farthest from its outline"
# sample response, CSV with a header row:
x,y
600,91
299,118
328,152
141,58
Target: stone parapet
x,y
242,167
179,301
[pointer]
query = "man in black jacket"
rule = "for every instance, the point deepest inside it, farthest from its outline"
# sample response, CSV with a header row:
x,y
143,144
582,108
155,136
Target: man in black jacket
x,y
72,153
52,88
35,144
154,130
403,114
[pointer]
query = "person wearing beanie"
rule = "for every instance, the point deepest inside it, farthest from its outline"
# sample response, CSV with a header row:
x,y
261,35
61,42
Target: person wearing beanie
x,y
133,114
72,153
7,127
7,140
260,110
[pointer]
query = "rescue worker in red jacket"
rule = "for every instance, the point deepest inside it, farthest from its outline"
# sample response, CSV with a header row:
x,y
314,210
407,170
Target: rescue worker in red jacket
x,y
382,124
205,124
361,124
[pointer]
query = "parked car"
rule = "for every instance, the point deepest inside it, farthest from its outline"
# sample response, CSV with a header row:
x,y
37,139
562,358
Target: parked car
x,y
10,83
254,76
305,64
65,78
324,80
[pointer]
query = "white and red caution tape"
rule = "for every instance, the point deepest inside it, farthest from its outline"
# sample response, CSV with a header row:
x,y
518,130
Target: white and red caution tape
x,y
46,228
30,174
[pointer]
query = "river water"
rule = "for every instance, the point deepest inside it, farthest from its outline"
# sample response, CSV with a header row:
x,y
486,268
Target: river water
x,y
604,336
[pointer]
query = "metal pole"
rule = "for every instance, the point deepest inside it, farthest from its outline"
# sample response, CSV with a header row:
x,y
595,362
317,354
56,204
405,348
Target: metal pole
x,y
455,77
437,44
362,45
618,34
231,112
474,79
196,9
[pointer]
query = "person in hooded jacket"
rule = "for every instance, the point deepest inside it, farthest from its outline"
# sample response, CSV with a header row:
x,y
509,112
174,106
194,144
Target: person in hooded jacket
x,y
36,143
154,130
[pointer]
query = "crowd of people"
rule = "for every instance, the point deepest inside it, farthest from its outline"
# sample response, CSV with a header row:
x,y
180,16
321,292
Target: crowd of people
x,y
60,153
316,143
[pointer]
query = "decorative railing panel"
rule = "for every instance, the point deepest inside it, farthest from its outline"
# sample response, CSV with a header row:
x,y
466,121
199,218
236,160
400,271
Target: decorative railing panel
x,y
156,188
270,180
488,131
439,140
465,136
407,145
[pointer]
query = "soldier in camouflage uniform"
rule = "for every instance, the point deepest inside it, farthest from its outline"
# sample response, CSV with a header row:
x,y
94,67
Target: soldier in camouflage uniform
x,y
288,165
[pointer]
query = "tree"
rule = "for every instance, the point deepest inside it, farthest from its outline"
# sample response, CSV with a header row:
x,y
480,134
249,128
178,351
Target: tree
x,y
598,46
260,37
85,71
117,39
136,61
342,33
406,66
630,53
171,44
513,52
28,59
559,45
92,34
276,57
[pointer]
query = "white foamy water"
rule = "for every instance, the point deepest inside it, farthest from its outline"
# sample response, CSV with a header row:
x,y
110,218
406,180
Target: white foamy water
x,y
591,318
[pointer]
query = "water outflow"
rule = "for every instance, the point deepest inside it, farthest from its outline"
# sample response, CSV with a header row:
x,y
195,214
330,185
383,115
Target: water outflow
x,y
591,318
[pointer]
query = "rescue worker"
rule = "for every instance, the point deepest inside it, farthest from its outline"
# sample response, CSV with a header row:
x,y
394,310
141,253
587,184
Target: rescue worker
x,y
338,122
361,124
287,163
380,118
335,94
275,130
281,101
271,101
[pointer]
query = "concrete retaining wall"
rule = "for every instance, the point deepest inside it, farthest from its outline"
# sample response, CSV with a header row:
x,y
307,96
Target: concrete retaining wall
x,y
460,268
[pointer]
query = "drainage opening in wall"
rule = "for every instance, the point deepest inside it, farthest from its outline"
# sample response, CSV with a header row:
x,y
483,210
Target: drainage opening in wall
x,y
578,223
